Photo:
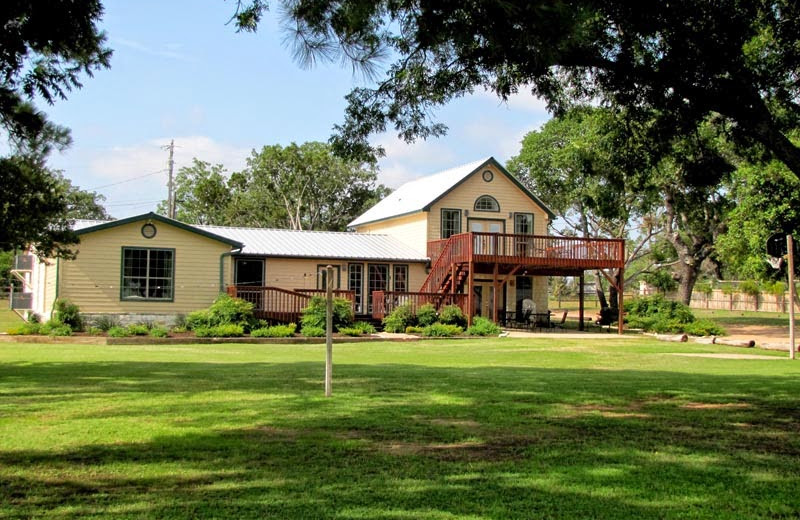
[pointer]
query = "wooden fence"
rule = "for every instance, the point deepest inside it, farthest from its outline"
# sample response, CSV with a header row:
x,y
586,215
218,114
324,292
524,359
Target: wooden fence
x,y
282,305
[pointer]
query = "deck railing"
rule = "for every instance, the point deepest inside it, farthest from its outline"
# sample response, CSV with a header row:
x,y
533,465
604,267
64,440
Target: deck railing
x,y
549,250
281,305
384,302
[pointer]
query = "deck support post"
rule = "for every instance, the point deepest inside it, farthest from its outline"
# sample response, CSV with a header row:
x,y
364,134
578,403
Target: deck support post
x,y
580,301
470,294
453,270
620,290
494,292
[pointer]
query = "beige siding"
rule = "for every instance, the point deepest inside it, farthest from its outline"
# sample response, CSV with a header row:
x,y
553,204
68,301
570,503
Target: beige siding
x,y
510,198
92,281
409,229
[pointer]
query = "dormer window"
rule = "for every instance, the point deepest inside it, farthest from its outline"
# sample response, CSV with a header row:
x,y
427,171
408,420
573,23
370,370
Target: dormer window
x,y
487,203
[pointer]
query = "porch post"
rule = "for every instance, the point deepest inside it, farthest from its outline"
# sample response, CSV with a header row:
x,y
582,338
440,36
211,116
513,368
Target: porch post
x,y
580,301
494,293
470,294
453,278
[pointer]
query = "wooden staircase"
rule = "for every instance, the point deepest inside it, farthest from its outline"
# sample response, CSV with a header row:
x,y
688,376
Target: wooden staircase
x,y
450,269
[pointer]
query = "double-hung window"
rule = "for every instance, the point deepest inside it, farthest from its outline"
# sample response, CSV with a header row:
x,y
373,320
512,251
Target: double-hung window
x,y
148,274
451,222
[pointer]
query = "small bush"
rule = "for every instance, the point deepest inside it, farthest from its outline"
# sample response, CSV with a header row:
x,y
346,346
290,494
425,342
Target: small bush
x,y
226,330
118,332
314,314
105,322
94,331
350,331
415,329
703,328
453,315
483,327
400,318
67,313
750,287
226,309
426,315
159,332
312,332
197,319
26,329
138,329
179,329
275,331
55,328
365,327
441,330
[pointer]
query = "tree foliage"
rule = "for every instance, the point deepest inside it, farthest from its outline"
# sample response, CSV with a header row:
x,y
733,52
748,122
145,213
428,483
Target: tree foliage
x,y
684,59
45,48
295,187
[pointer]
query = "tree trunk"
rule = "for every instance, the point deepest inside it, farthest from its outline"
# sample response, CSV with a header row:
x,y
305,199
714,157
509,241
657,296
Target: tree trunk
x,y
688,277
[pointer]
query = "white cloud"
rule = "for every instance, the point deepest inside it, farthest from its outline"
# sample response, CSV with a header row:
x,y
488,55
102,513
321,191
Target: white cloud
x,y
523,100
168,50
406,161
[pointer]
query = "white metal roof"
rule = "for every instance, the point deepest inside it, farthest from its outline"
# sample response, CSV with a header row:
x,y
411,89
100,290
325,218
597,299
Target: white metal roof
x,y
318,244
303,244
415,195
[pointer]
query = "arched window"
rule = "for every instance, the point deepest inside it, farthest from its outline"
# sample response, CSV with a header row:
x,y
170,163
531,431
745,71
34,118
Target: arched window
x,y
486,203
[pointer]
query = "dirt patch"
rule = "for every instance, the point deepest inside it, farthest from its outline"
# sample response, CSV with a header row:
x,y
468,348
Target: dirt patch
x,y
760,333
714,406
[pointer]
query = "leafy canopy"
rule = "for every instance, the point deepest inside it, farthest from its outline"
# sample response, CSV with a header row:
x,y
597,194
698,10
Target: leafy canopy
x,y
685,59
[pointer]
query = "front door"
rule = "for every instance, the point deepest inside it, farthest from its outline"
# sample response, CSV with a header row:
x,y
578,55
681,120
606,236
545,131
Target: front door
x,y
487,245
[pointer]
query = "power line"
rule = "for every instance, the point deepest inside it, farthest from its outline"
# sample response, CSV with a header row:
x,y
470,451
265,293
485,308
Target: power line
x,y
126,180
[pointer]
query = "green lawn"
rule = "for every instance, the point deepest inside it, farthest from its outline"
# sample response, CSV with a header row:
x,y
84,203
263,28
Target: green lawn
x,y
727,318
478,429
8,318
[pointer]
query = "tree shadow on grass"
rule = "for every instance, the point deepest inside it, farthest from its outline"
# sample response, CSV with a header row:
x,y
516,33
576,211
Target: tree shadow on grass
x,y
409,441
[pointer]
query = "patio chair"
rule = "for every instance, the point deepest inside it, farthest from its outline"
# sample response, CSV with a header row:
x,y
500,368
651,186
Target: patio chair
x,y
560,323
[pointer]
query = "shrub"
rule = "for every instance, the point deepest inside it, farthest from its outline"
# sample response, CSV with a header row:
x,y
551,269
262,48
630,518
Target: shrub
x,y
179,321
67,313
750,287
55,328
105,322
138,329
118,332
275,331
179,329
415,330
314,314
26,329
483,327
401,317
226,309
776,288
705,288
351,331
159,332
426,315
311,331
659,307
226,330
703,328
452,315
441,330
365,327
94,331
197,319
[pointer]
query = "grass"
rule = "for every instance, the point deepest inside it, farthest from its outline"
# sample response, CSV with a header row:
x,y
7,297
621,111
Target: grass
x,y
8,318
753,318
474,429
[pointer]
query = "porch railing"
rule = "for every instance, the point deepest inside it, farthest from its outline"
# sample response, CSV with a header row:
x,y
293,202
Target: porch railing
x,y
281,305
552,251
384,302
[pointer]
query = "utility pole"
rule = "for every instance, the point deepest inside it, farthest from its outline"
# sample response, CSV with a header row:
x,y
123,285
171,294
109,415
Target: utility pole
x,y
171,210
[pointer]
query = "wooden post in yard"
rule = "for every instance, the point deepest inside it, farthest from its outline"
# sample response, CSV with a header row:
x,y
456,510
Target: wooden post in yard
x,y
580,301
790,246
329,331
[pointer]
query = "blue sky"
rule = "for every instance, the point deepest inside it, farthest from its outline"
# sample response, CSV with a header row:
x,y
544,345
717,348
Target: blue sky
x,y
179,72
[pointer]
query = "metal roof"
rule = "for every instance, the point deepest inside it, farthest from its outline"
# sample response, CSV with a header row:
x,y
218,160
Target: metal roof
x,y
286,242
420,194
318,244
